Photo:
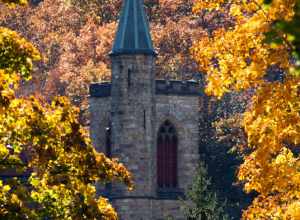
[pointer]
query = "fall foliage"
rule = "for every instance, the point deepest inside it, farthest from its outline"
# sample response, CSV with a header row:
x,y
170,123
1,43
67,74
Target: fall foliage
x,y
54,164
247,56
76,37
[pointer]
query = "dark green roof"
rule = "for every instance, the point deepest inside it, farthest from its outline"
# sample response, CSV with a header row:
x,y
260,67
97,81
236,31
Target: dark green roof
x,y
133,35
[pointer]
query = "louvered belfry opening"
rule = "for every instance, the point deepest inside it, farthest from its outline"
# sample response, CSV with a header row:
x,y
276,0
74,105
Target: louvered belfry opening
x,y
167,142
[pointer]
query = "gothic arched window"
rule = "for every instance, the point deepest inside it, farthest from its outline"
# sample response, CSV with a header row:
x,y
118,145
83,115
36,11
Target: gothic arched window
x,y
167,156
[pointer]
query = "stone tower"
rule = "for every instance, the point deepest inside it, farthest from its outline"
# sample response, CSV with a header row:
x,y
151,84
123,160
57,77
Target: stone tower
x,y
151,125
133,107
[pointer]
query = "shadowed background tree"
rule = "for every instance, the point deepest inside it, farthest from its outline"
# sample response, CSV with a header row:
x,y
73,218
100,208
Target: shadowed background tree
x,y
203,203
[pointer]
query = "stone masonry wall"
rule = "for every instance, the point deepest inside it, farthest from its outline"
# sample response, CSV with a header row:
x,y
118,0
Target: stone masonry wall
x,y
182,111
136,117
99,120
133,118
167,209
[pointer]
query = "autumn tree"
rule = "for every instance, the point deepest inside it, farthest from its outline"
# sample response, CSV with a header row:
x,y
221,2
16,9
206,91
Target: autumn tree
x,y
56,179
256,55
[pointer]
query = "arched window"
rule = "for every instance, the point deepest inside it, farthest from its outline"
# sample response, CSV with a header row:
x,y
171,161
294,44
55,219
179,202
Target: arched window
x,y
167,156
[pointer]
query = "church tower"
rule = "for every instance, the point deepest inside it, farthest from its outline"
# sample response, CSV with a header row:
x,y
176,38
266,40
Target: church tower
x,y
151,125
133,108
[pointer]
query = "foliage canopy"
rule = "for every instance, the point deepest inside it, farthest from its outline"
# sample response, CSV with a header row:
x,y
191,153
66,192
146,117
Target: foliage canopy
x,y
244,57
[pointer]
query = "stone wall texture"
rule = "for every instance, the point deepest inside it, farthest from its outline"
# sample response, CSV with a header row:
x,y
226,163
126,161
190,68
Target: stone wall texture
x,y
100,116
182,112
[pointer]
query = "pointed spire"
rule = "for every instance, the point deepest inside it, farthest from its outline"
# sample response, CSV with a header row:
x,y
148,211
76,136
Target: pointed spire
x,y
133,35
